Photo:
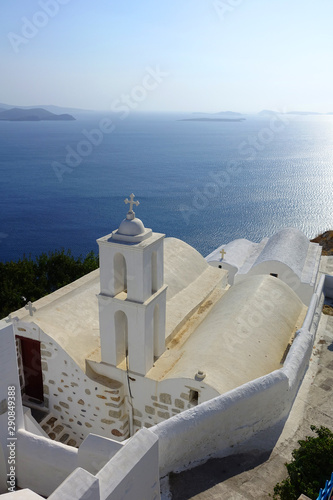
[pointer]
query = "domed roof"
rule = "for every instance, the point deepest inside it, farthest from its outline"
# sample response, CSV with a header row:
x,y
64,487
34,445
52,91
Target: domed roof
x,y
246,321
289,246
183,265
131,227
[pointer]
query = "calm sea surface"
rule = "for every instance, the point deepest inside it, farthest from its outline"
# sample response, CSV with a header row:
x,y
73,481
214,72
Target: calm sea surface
x,y
204,182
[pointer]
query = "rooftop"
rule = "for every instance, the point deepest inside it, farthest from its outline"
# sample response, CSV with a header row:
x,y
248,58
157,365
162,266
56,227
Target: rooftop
x,y
288,246
251,324
206,322
70,315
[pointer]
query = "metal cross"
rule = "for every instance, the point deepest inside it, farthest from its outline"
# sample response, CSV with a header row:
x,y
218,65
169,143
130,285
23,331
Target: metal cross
x,y
10,319
223,253
131,202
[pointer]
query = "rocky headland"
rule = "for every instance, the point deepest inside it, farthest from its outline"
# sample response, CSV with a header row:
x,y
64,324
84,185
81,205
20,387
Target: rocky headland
x,y
326,241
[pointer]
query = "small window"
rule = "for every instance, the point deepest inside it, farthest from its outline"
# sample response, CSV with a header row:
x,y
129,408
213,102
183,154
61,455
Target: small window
x,y
273,274
193,397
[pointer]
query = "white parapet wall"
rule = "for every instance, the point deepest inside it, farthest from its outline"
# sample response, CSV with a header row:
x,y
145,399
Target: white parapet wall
x,y
43,464
80,485
133,473
11,413
21,495
215,427
100,469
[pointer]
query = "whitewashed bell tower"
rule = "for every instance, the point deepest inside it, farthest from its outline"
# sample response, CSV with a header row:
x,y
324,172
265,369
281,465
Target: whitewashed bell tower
x,y
132,299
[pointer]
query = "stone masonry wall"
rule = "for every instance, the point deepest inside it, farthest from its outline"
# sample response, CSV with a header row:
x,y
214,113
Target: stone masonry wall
x,y
151,401
101,402
84,405
161,407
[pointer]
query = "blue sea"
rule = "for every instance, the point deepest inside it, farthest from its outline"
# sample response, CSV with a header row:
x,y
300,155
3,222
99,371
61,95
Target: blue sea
x,y
63,184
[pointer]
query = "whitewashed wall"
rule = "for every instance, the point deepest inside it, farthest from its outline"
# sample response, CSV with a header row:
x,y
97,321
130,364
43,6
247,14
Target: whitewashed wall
x,y
214,427
129,471
133,473
221,264
8,378
43,464
80,485
21,495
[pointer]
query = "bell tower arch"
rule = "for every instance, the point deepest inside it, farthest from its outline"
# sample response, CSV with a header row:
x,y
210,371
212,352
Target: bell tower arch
x,y
132,299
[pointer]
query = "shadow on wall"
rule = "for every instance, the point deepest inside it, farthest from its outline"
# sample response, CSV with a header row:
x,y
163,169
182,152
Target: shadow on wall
x,y
189,483
328,290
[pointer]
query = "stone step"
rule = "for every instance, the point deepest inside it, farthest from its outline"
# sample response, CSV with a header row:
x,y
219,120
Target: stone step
x,y
57,430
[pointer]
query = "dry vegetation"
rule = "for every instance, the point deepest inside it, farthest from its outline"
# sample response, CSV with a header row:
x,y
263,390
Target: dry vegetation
x,y
328,310
326,241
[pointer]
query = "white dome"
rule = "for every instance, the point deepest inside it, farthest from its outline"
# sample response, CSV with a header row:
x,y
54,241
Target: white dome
x,y
131,227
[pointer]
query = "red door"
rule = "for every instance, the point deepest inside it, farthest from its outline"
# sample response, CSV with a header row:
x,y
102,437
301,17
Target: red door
x,y
32,368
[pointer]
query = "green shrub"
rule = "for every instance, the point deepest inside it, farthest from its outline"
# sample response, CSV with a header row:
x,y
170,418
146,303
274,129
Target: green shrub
x,y
311,466
34,278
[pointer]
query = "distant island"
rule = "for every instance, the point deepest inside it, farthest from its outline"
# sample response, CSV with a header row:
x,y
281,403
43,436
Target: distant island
x,y
299,113
229,114
32,115
205,119
304,113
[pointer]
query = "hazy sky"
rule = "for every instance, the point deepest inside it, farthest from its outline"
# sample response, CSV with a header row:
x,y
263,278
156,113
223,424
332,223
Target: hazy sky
x,y
168,55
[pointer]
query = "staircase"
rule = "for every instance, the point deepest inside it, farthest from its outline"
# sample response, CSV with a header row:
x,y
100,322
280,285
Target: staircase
x,y
58,431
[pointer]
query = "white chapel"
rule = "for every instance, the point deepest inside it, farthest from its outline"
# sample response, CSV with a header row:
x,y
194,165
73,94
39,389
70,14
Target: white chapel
x,y
157,332
151,333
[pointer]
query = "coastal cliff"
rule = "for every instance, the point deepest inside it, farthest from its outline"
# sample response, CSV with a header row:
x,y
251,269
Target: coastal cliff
x,y
326,241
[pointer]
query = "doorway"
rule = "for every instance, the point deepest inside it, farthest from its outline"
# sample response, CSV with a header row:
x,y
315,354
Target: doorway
x,y
32,368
